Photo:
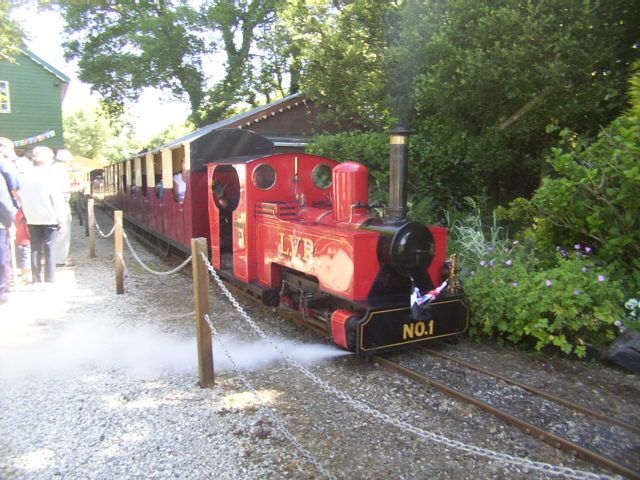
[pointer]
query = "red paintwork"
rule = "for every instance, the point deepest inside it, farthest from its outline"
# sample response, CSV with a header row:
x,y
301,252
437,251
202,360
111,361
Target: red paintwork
x,y
339,327
351,188
277,228
295,224
440,235
179,222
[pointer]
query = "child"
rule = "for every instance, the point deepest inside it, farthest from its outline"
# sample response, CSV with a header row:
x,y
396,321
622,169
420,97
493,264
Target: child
x,y
23,248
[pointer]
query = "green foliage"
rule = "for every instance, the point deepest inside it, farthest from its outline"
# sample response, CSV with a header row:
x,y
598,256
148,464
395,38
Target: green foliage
x,y
632,319
592,198
369,148
489,81
122,47
170,133
11,35
566,305
89,133
473,237
343,57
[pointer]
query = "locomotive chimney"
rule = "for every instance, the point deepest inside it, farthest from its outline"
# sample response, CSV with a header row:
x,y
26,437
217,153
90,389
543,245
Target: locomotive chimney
x,y
399,164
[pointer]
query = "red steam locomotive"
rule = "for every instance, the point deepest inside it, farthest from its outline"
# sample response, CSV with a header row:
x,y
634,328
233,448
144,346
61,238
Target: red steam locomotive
x,y
296,230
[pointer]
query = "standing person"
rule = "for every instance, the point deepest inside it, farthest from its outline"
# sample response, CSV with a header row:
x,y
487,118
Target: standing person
x,y
43,206
8,186
63,242
8,168
23,240
180,184
7,214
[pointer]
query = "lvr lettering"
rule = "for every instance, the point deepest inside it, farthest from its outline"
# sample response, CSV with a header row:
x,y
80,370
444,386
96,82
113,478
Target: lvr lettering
x,y
291,246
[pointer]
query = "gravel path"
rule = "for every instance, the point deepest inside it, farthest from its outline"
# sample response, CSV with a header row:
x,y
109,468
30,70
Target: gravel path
x,y
95,385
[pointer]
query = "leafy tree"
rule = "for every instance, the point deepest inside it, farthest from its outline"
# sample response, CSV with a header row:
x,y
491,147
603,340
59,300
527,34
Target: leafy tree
x,y
170,133
11,35
489,82
124,46
342,54
91,134
592,196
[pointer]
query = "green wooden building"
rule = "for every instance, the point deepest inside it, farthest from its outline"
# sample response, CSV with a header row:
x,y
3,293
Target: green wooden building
x,y
31,94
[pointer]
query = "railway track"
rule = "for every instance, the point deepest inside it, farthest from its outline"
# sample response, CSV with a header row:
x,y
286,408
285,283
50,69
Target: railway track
x,y
528,426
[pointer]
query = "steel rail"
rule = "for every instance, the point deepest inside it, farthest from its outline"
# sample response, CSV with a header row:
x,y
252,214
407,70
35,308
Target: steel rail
x,y
528,428
541,393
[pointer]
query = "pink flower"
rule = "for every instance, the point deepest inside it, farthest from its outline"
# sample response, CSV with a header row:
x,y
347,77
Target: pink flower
x,y
548,282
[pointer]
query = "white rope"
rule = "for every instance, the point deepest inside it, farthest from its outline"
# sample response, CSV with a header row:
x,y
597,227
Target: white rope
x,y
150,270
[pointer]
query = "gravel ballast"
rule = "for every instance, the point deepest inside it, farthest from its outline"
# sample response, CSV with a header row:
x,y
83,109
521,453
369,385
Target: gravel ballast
x,y
95,385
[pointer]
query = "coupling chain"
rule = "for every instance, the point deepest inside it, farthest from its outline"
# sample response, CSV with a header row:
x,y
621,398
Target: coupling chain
x,y
269,411
549,469
154,272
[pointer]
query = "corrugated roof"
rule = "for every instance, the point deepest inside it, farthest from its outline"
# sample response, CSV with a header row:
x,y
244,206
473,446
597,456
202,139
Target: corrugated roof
x,y
225,123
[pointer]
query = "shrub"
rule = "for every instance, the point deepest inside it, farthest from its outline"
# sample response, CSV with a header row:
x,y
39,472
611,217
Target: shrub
x,y
514,296
592,198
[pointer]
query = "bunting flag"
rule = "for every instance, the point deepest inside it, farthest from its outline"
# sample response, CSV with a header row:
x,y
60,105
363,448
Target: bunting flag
x,y
38,138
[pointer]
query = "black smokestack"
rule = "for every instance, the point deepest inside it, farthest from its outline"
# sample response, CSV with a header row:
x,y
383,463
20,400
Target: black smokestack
x,y
399,165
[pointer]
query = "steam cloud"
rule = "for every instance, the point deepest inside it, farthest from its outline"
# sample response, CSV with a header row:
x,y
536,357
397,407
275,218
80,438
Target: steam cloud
x,y
143,352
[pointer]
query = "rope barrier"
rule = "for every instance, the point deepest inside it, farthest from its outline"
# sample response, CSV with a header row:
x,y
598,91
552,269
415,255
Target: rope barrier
x,y
150,270
363,407
113,229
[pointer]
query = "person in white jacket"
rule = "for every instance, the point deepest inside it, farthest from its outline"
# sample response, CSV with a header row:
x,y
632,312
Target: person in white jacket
x,y
43,205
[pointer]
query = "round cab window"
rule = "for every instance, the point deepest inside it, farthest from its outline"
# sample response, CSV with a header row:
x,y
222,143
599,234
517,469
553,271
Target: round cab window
x,y
321,176
264,176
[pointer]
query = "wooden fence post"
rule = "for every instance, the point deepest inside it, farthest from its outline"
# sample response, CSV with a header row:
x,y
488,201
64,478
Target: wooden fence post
x,y
202,301
117,218
85,214
91,221
79,208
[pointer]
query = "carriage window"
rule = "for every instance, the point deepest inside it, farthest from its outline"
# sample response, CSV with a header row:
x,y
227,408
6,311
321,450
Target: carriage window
x,y
264,176
321,176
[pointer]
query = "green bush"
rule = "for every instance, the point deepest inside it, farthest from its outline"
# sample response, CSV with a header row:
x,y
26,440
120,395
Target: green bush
x,y
368,148
515,297
592,198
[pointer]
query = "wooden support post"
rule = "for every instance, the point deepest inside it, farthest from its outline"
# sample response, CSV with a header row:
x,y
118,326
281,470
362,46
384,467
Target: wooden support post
x,y
202,301
79,208
117,218
91,221
85,214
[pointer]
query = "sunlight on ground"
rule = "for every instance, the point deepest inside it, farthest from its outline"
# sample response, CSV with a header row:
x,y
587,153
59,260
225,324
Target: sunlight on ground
x,y
244,400
32,306
36,460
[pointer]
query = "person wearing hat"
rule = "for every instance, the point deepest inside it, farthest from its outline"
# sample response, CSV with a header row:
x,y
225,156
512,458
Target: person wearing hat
x,y
63,240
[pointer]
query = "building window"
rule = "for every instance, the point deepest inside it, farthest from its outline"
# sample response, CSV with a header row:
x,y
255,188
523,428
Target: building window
x,y
5,99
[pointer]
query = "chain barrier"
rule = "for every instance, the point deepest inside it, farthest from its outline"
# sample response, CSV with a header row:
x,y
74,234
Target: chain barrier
x,y
154,272
504,458
269,411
